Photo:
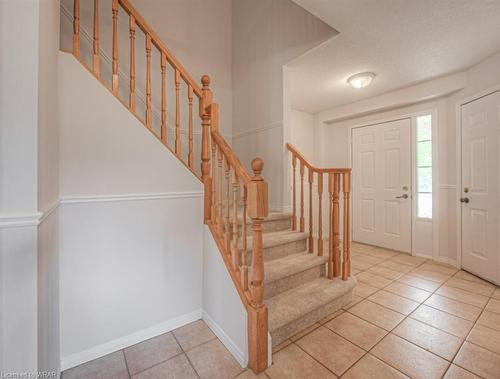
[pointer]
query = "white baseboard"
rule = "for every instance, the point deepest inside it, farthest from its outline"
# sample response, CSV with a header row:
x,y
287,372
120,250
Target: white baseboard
x,y
450,261
421,255
239,355
129,340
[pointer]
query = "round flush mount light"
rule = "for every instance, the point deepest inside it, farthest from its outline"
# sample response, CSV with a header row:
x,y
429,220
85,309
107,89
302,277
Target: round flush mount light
x,y
361,80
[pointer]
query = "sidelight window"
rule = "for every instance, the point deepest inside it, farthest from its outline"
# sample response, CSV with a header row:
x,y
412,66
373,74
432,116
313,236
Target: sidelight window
x,y
424,166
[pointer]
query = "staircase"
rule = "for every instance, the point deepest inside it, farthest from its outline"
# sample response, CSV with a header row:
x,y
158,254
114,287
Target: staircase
x,y
285,278
297,292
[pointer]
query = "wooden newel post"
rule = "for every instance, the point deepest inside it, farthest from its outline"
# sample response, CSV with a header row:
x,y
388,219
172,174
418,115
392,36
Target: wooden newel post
x,y
257,311
346,264
206,100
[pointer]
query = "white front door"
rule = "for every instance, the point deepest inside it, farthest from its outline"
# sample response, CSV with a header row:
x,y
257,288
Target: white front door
x,y
481,187
382,185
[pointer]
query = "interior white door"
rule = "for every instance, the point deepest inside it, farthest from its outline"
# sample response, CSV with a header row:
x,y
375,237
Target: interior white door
x,y
382,185
481,188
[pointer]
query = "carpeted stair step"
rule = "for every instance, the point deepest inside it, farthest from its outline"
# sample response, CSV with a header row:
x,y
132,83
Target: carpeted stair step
x,y
274,222
292,271
279,244
297,309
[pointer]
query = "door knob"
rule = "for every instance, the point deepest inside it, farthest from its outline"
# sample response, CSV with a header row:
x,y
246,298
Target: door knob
x,y
405,196
464,200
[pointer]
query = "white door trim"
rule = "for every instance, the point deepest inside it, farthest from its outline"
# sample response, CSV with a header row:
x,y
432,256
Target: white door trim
x,y
435,167
458,133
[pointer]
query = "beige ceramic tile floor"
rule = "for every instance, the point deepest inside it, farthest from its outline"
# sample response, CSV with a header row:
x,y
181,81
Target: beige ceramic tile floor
x,y
410,318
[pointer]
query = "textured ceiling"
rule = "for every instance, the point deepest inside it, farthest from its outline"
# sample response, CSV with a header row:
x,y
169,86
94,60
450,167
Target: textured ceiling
x,y
403,41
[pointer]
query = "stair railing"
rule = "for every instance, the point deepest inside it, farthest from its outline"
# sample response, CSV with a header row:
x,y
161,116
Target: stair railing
x,y
338,178
226,181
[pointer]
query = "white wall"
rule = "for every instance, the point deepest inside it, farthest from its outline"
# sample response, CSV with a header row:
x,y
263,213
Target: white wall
x,y
333,128
131,234
18,184
302,133
266,36
48,187
219,296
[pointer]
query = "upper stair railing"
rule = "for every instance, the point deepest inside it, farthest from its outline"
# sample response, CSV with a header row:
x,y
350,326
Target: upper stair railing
x,y
338,264
228,187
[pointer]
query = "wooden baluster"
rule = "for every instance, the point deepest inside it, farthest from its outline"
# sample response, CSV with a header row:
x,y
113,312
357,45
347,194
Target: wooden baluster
x,y
190,101
257,311
302,197
214,126
320,213
330,227
236,252
205,140
177,113
95,62
214,181
227,224
76,28
244,254
149,121
115,47
311,238
336,225
219,193
163,99
346,264
294,194
132,64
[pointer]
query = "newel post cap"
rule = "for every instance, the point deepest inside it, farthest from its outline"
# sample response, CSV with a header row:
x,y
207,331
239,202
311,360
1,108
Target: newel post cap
x,y
205,80
257,167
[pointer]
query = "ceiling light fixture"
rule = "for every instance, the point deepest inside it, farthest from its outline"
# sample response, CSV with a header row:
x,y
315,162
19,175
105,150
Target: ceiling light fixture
x,y
361,80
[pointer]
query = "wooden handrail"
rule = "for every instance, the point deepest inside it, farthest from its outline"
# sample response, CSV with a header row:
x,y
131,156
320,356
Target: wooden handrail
x,y
339,179
225,179
301,158
232,158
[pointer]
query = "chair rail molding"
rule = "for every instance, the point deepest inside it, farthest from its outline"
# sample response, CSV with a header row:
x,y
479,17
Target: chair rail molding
x,y
20,220
130,197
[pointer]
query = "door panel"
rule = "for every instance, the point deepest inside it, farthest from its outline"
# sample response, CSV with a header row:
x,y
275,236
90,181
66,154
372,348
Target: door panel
x,y
381,168
480,175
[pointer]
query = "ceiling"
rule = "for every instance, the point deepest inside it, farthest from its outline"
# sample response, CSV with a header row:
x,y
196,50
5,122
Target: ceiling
x,y
403,41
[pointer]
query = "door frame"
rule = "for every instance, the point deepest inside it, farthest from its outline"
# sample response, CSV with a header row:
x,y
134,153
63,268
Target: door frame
x,y
435,166
458,133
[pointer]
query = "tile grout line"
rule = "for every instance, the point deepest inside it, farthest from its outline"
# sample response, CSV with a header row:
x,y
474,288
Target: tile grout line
x,y
399,323
463,340
187,356
408,316
474,325
126,363
313,357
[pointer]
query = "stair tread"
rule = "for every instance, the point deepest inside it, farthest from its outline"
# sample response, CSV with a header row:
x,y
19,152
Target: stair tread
x,y
276,238
292,264
299,301
272,216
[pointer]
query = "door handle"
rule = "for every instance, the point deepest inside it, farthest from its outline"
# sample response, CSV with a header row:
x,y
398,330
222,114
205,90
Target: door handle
x,y
464,200
405,196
